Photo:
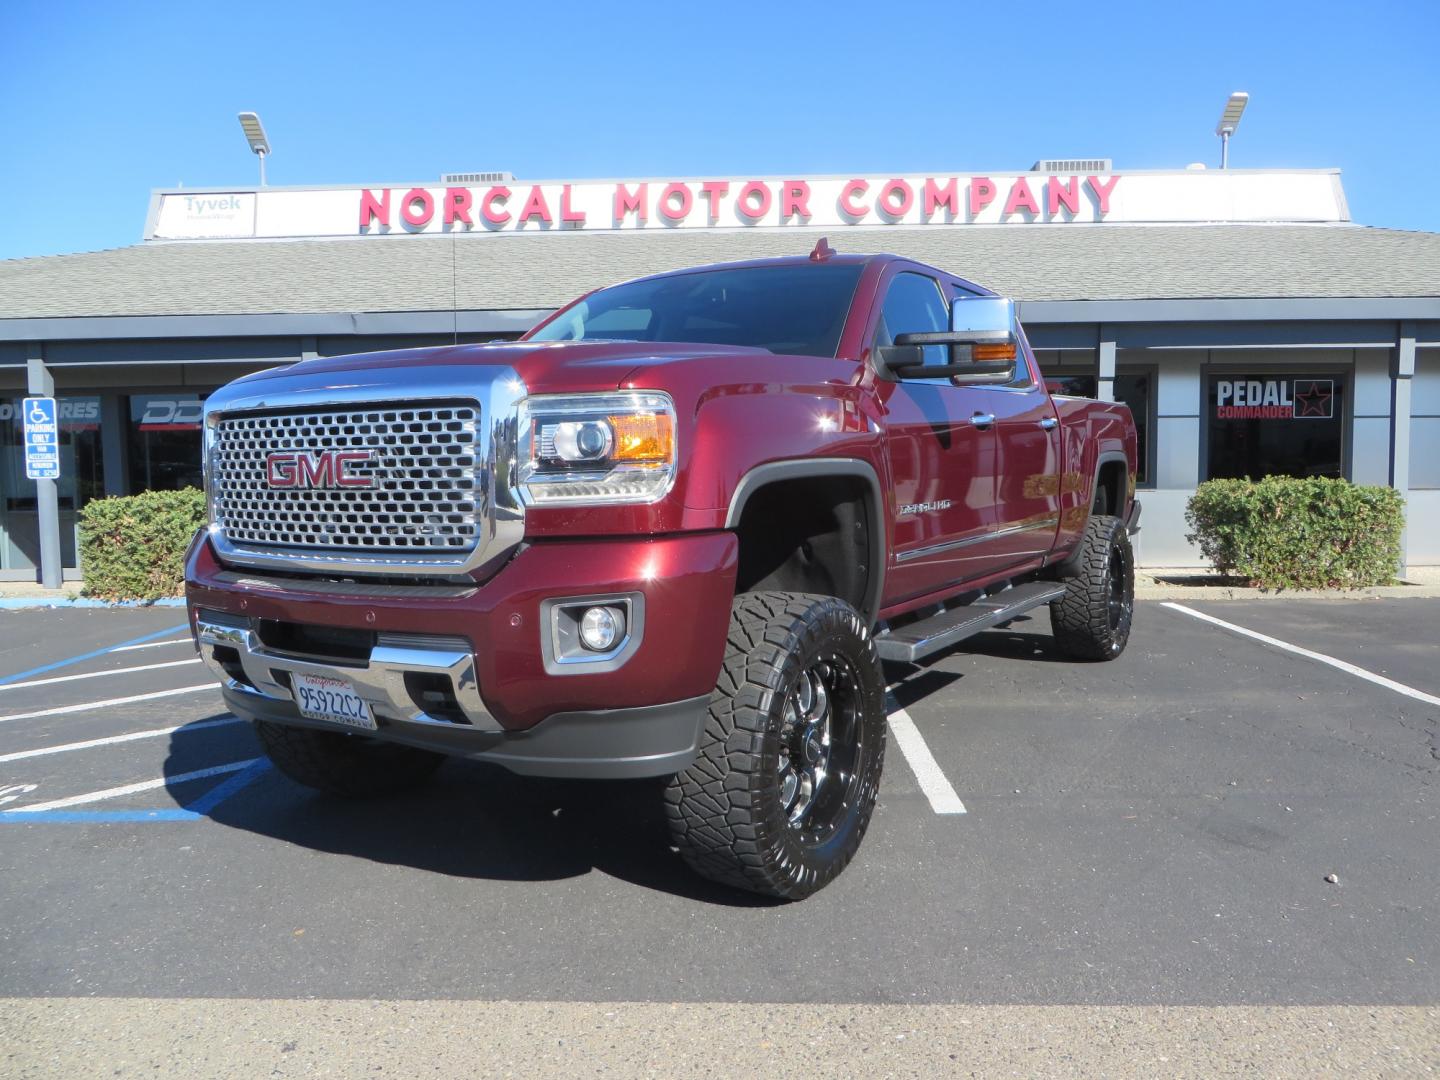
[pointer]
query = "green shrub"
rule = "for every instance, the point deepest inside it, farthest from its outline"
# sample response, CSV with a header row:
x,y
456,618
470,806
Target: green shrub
x,y
133,548
1288,533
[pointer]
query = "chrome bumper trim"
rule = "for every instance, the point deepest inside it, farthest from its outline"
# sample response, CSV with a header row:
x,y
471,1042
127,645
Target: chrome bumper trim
x,y
380,680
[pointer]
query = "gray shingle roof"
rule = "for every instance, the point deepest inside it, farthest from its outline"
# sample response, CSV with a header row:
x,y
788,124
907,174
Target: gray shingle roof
x,y
525,271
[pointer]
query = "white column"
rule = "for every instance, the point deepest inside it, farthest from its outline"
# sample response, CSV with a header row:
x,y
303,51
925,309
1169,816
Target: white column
x,y
1400,425
40,383
1106,389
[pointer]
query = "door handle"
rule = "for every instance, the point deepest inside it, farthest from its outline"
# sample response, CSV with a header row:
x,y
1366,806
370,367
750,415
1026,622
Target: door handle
x,y
983,419
1050,423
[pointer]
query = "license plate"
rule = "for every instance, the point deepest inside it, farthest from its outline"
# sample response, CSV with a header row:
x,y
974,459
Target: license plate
x,y
322,698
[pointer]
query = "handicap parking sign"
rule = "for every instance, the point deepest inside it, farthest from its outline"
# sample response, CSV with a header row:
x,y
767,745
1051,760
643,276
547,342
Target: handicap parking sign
x,y
42,438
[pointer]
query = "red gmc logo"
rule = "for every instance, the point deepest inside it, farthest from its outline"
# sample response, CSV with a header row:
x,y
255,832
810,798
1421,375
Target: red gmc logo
x,y
322,469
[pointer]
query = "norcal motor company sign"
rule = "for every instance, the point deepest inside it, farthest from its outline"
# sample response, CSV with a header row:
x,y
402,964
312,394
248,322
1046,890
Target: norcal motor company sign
x,y
722,203
829,202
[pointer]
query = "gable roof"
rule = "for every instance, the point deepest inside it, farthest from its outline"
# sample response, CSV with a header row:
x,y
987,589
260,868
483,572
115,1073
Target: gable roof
x,y
533,271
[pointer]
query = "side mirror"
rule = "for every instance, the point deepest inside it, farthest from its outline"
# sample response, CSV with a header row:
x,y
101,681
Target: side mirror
x,y
984,346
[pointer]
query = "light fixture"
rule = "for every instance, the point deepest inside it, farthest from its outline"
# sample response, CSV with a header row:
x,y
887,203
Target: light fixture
x,y
1229,121
255,136
601,628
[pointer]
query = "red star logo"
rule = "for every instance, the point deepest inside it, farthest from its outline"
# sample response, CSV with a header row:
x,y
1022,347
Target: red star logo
x,y
1315,398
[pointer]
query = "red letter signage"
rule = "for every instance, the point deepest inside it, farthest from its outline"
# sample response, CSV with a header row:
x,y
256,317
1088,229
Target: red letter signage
x,y
937,196
675,202
1102,191
626,203
982,194
410,215
372,208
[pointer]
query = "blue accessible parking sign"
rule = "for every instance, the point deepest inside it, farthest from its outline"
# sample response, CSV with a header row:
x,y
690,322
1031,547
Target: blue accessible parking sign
x,y
42,439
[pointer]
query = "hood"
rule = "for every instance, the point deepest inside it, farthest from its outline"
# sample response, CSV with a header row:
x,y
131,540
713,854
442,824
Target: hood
x,y
544,366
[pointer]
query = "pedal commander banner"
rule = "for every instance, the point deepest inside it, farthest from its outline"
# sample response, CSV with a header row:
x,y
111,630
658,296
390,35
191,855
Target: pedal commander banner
x,y
1274,399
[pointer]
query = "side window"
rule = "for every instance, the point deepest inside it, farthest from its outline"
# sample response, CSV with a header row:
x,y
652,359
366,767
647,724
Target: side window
x,y
914,305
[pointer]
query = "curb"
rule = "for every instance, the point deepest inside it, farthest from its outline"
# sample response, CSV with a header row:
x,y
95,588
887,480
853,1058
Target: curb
x,y
1235,592
20,603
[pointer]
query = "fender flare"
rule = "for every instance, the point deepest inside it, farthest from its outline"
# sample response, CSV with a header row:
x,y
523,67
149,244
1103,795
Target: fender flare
x,y
1104,459
1061,567
815,468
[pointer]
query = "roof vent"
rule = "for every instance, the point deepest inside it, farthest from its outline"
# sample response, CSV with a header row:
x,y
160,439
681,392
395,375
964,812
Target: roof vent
x,y
477,177
1073,165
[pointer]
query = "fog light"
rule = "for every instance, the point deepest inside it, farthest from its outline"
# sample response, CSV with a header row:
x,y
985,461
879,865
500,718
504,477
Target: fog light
x,y
601,628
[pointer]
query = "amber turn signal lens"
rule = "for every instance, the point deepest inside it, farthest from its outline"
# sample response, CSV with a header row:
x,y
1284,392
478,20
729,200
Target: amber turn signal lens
x,y
993,352
643,437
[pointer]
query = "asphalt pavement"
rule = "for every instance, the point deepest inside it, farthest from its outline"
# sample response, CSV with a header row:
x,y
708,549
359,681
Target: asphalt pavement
x,y
1156,832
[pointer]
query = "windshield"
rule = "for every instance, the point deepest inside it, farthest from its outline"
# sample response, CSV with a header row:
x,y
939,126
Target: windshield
x,y
786,309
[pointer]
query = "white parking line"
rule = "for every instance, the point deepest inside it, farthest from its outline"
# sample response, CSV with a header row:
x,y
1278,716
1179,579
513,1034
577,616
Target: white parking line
x,y
937,789
131,789
96,674
152,733
109,702
155,644
1349,669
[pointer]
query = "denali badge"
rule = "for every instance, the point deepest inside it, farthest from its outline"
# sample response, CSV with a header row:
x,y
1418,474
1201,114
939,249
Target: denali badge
x,y
321,469
924,508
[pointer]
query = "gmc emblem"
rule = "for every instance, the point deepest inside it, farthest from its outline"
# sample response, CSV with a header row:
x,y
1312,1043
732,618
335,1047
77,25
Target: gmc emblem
x,y
321,469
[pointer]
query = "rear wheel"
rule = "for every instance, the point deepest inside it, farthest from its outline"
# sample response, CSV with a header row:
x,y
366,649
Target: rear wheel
x,y
354,766
1092,620
789,767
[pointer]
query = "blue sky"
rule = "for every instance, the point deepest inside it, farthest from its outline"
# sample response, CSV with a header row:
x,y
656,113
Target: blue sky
x,y
100,102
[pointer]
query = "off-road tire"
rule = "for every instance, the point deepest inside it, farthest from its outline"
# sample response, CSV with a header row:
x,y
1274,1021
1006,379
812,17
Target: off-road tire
x,y
337,763
1092,620
727,812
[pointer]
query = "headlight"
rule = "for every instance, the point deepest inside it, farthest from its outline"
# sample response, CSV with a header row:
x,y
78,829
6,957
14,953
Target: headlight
x,y
207,464
597,448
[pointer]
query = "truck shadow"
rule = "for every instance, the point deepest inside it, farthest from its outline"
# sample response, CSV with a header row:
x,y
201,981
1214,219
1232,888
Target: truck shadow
x,y
474,820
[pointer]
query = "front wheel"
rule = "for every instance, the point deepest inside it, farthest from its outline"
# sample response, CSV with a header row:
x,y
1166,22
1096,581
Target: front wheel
x,y
1092,620
789,766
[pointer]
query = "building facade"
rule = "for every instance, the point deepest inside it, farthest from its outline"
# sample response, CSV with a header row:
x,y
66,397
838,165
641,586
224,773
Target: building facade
x,y
1250,325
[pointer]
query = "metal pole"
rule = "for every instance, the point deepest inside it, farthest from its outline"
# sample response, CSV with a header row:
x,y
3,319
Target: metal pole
x,y
41,383
1224,151
261,155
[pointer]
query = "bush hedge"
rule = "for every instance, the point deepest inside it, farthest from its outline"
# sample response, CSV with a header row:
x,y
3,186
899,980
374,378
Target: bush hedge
x,y
1284,532
133,548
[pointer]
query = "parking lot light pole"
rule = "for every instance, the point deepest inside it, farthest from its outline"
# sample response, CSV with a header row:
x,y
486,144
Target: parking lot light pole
x,y
255,136
40,383
1229,121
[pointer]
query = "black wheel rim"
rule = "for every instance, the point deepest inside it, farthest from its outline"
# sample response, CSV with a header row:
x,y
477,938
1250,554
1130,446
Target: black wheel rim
x,y
820,748
1117,597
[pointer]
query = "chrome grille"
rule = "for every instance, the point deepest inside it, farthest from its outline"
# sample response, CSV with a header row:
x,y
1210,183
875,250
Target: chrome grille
x,y
426,495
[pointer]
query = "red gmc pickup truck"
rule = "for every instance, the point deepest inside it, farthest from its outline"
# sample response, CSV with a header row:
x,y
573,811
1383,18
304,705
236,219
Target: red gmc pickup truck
x,y
672,532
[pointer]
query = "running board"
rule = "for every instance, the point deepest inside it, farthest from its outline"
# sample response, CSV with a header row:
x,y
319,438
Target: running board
x,y
920,639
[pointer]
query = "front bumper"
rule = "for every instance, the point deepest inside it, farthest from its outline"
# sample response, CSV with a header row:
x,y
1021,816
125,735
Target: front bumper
x,y
462,669
598,744
387,678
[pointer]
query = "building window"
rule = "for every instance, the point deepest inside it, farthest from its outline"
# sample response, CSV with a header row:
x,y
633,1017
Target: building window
x,y
1072,383
1425,421
82,478
1136,389
163,441
1275,425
